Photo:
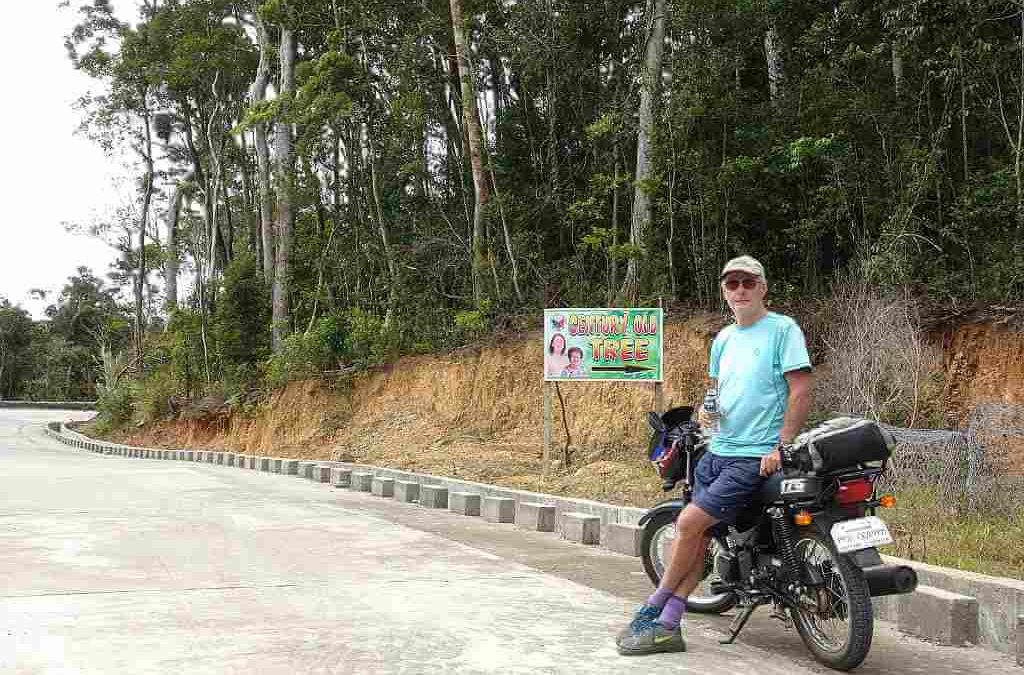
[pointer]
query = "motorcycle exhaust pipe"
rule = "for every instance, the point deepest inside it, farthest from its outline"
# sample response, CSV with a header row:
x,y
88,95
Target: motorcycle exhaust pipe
x,y
890,579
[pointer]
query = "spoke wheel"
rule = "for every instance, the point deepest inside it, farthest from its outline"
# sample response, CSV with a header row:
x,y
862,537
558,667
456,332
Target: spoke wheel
x,y
834,619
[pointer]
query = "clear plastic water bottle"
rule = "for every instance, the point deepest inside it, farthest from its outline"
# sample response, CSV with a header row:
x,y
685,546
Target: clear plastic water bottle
x,y
711,409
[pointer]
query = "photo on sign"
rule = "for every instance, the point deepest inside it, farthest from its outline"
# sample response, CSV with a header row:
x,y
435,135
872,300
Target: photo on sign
x,y
602,344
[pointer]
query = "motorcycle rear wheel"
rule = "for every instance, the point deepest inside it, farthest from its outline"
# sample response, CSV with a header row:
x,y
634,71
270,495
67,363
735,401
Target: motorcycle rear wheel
x,y
834,620
656,547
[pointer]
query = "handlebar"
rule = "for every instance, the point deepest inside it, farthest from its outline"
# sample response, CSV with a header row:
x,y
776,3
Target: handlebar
x,y
797,457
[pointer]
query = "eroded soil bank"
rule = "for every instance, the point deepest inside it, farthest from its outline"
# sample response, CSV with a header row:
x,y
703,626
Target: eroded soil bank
x,y
478,414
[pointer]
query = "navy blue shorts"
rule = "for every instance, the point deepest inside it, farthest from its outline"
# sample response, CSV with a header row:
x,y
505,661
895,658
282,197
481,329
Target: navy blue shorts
x,y
726,485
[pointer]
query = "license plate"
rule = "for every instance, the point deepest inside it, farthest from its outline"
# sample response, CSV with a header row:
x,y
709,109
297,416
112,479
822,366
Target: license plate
x,y
860,533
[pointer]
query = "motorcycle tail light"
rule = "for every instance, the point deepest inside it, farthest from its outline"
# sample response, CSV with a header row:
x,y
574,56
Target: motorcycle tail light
x,y
854,491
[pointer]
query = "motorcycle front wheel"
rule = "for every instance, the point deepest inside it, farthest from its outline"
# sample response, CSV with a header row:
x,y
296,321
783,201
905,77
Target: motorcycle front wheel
x,y
656,550
833,619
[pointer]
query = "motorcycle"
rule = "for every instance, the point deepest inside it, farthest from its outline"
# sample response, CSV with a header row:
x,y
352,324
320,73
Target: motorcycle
x,y
807,544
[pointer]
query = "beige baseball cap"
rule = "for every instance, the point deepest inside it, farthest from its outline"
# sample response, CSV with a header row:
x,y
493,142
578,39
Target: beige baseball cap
x,y
744,263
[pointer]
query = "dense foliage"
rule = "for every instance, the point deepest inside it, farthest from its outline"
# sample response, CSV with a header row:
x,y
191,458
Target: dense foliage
x,y
322,154
61,358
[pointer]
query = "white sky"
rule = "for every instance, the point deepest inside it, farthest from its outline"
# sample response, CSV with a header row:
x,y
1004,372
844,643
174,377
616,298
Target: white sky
x,y
48,174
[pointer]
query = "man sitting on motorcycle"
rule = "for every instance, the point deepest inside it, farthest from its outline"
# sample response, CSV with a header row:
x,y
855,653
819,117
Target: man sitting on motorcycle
x,y
762,371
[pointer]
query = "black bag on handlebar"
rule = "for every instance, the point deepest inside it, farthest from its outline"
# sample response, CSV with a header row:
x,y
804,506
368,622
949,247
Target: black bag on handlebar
x,y
845,442
662,452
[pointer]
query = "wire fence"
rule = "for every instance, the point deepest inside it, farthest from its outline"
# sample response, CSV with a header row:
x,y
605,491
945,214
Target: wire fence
x,y
977,470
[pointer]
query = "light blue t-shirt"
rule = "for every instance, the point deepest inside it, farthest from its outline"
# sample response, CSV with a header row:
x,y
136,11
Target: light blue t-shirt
x,y
750,365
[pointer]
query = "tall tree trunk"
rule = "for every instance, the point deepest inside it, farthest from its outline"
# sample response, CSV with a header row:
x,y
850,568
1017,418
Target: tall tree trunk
x,y
963,112
505,232
458,143
385,237
258,93
897,66
227,232
1019,145
173,216
474,135
285,174
551,110
336,173
657,11
670,240
773,59
613,261
250,212
140,282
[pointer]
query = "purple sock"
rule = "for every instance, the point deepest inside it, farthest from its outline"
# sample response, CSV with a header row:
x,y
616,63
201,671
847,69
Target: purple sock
x,y
659,598
672,612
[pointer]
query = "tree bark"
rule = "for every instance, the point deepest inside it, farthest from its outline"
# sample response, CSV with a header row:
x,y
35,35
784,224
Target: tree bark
x,y
385,238
249,211
258,93
509,250
963,113
642,211
140,282
214,183
284,169
1019,146
171,266
773,58
897,66
613,263
474,135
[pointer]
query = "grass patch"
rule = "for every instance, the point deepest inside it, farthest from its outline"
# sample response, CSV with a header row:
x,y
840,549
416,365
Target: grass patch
x,y
928,531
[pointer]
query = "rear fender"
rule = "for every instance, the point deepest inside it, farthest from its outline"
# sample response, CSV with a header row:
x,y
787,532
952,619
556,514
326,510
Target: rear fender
x,y
669,505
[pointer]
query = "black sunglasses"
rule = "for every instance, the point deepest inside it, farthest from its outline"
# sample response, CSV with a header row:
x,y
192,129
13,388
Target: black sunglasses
x,y
748,283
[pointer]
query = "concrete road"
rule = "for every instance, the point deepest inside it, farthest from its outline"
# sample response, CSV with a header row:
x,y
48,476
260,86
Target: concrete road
x,y
114,565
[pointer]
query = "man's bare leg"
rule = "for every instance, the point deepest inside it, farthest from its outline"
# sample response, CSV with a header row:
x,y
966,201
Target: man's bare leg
x,y
695,576
685,566
686,563
684,571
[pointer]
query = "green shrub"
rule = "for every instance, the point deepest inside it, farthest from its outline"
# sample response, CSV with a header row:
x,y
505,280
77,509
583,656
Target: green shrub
x,y
115,405
188,357
154,394
471,324
306,354
369,342
242,320
471,320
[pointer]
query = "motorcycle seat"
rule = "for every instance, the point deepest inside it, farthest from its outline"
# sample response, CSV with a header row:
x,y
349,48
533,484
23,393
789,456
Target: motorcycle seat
x,y
771,489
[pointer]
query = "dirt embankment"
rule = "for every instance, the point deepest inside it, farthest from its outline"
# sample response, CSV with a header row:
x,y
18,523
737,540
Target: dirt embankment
x,y
983,364
475,415
479,415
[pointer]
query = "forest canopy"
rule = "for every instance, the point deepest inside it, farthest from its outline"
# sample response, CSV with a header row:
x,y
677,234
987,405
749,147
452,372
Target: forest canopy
x,y
329,183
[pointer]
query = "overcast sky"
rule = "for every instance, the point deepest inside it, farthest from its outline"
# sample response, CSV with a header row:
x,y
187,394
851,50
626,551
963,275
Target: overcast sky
x,y
49,175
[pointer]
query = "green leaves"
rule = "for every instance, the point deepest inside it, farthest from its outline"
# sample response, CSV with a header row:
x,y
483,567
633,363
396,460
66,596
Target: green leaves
x,y
806,149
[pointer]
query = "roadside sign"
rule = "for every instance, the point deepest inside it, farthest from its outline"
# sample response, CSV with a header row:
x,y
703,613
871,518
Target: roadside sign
x,y
603,344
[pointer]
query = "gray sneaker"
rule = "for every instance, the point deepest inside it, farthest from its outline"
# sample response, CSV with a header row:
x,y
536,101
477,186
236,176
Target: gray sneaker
x,y
644,615
652,638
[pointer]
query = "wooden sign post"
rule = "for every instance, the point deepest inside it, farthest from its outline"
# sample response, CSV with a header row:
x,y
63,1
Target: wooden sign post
x,y
659,396
549,389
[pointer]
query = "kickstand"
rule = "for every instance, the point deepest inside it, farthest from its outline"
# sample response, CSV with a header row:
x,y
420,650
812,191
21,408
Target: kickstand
x,y
739,622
